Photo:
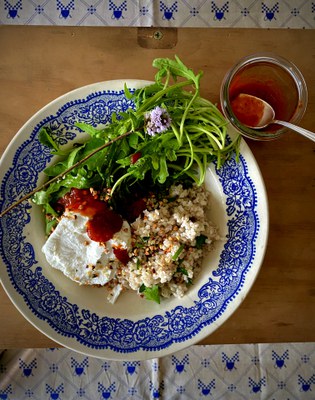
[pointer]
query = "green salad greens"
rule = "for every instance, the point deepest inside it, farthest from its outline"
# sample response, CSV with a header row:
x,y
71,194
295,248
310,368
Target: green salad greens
x,y
171,134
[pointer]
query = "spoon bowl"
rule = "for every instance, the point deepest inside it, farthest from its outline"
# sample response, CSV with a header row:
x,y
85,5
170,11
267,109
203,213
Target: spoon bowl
x,y
256,113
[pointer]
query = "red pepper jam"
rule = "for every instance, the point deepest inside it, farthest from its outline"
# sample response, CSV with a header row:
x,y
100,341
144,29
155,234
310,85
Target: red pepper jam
x,y
268,91
247,110
135,209
122,255
103,223
270,83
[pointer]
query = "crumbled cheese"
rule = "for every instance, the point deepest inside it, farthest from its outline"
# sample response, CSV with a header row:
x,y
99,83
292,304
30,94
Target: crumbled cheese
x,y
70,250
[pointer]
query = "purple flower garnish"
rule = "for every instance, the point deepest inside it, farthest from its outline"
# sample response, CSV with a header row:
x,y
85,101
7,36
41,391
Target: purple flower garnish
x,y
157,121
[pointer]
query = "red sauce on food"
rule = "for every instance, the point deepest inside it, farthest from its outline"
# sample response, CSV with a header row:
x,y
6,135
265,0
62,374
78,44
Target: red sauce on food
x,y
103,223
135,209
122,255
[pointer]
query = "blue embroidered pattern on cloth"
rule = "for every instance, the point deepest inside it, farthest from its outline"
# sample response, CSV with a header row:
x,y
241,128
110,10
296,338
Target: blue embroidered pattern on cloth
x,y
297,14
122,335
248,371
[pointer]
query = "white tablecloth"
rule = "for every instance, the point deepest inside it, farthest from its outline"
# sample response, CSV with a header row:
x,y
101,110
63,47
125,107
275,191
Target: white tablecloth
x,y
249,371
163,13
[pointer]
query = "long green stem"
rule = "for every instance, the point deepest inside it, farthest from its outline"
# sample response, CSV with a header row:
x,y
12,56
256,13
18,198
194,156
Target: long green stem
x,y
118,182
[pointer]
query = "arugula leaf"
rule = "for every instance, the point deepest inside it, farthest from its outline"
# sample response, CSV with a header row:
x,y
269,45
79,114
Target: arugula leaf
x,y
163,174
133,140
91,130
127,92
45,138
175,68
41,197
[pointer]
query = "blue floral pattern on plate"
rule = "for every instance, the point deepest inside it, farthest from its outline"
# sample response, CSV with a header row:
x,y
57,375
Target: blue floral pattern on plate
x,y
121,335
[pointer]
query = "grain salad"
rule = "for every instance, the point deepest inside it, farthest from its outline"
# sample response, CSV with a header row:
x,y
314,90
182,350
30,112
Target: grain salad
x,y
169,241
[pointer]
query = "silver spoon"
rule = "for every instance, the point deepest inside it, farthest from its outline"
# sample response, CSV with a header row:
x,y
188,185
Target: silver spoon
x,y
267,115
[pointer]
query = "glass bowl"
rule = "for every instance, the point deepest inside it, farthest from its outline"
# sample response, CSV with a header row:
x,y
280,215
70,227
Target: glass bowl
x,y
272,78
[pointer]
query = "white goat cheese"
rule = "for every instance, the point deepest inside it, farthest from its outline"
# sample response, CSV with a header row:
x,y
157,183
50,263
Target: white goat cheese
x,y
70,250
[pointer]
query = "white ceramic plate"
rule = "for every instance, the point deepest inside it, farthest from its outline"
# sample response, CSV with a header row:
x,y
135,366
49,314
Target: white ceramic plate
x,y
132,329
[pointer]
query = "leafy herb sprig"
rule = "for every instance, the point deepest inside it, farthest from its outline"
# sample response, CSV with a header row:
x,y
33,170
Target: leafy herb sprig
x,y
194,134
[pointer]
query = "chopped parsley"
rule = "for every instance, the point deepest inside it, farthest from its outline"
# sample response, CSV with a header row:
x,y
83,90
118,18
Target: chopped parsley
x,y
150,293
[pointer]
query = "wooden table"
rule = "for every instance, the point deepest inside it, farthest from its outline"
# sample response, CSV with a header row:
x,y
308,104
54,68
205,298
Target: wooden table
x,y
38,64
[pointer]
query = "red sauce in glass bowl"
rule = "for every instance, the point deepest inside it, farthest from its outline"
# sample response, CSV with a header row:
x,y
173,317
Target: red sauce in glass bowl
x,y
269,83
103,222
271,78
269,91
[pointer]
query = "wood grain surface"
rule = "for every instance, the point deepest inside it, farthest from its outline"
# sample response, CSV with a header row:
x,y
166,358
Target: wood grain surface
x,y
38,64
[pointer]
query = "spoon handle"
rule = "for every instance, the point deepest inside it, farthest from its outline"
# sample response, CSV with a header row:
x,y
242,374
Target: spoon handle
x,y
310,135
